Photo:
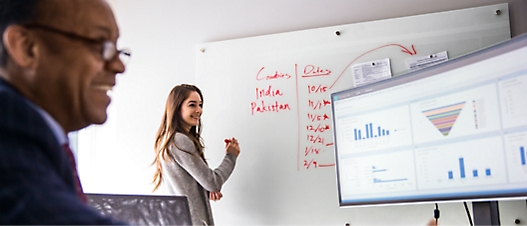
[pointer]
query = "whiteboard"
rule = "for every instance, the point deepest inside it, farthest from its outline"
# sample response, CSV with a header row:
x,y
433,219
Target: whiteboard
x,y
272,93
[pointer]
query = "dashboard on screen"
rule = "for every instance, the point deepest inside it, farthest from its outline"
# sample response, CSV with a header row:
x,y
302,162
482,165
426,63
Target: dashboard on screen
x,y
455,131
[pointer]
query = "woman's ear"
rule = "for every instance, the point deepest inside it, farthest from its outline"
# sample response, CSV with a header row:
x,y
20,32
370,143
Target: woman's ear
x,y
21,46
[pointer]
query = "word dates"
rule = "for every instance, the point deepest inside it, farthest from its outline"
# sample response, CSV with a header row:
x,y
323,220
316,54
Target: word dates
x,y
314,71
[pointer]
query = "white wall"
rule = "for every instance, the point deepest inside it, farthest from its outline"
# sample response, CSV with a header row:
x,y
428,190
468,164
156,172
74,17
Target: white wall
x,y
162,34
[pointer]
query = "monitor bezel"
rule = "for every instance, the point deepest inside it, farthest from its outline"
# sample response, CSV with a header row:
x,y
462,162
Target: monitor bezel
x,y
453,64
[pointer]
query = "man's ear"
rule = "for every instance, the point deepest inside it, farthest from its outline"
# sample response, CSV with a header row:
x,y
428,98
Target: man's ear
x,y
21,46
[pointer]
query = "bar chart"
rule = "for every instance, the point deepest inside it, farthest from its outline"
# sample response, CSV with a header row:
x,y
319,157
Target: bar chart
x,y
359,133
463,171
370,132
378,173
379,178
522,155
453,165
516,144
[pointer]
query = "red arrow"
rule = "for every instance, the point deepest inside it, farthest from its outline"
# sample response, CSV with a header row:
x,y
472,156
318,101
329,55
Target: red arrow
x,y
403,49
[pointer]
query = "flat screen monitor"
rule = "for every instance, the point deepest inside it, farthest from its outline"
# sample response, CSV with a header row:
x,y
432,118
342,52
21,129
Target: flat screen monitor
x,y
451,132
143,209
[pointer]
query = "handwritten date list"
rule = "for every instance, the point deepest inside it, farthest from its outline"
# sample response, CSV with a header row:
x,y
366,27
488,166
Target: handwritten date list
x,y
268,99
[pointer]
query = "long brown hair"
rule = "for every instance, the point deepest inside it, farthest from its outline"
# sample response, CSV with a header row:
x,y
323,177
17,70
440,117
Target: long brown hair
x,y
171,124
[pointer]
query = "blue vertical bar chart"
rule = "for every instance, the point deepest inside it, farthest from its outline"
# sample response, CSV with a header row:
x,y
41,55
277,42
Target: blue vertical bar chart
x,y
522,155
487,172
368,132
462,167
462,171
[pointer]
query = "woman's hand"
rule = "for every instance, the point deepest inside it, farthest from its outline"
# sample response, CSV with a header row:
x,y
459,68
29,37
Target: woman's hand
x,y
432,222
215,195
232,146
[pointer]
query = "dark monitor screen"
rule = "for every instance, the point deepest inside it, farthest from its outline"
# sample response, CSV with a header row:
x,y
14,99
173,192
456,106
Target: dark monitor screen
x,y
454,131
142,209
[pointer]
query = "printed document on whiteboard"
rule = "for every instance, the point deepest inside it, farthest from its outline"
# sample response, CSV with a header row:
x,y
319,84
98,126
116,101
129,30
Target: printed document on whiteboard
x,y
427,61
370,72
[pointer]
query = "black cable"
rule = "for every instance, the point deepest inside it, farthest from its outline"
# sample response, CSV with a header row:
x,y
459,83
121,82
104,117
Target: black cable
x,y
468,214
436,213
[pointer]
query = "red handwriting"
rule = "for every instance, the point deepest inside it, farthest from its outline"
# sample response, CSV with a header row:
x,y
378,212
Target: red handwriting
x,y
269,92
315,164
319,104
276,75
311,150
319,128
316,117
311,71
263,107
329,144
317,89
311,162
315,139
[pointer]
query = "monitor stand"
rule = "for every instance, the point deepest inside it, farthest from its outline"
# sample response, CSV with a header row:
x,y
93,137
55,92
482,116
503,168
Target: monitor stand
x,y
486,213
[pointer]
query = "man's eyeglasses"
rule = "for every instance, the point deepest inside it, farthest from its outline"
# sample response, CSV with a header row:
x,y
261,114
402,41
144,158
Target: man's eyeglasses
x,y
109,50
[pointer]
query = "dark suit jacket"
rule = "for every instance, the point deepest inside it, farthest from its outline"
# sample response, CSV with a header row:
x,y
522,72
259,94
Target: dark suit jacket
x,y
36,178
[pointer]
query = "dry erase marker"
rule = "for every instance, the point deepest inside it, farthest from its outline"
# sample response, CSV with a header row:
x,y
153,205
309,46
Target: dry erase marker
x,y
227,141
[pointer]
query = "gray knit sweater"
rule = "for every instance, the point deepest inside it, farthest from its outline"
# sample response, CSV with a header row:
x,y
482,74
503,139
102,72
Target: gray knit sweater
x,y
190,176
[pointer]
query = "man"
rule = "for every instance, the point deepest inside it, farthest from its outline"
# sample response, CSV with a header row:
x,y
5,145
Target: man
x,y
58,60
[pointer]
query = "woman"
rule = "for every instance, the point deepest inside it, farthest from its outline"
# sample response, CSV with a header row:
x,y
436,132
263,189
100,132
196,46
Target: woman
x,y
180,162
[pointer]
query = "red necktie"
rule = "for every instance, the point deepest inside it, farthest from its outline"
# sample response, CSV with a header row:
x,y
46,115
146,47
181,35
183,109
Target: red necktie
x,y
78,186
